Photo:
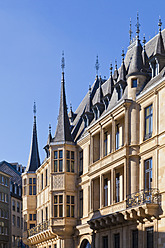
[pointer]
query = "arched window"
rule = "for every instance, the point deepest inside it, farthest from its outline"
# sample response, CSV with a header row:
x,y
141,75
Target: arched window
x,y
85,244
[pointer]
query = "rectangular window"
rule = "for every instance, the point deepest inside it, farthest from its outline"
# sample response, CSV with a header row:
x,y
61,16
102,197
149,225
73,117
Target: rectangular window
x,y
30,190
32,186
148,173
117,137
34,216
81,162
148,121
135,238
46,213
117,240
46,177
81,203
106,192
42,179
150,237
117,187
105,241
70,206
58,161
134,83
70,161
18,207
58,206
30,217
13,205
13,220
42,216
18,221
105,144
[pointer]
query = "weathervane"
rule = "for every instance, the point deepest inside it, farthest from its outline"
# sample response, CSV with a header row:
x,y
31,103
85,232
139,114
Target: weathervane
x,y
137,26
130,32
97,66
62,62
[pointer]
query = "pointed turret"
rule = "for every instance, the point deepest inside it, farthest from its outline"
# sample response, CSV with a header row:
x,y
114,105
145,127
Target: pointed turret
x,y
48,142
63,133
136,65
111,83
122,73
116,73
34,159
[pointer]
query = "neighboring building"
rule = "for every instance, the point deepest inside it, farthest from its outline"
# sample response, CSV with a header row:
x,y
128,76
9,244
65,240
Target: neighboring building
x,y
5,225
102,181
16,219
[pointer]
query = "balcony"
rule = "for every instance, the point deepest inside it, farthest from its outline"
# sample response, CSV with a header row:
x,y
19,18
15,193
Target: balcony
x,y
145,196
143,205
39,228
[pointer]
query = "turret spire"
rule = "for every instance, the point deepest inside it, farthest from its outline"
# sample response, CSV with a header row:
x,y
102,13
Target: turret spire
x,y
160,44
160,24
63,133
34,159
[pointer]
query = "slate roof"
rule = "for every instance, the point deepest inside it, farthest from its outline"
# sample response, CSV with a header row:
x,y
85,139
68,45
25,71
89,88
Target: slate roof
x,y
133,63
63,133
34,159
9,169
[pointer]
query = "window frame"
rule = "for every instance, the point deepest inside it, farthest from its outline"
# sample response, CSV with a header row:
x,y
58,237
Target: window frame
x,y
148,118
58,160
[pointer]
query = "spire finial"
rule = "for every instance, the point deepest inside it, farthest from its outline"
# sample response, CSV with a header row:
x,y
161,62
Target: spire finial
x,y
34,108
144,41
137,26
97,66
130,32
123,54
70,106
89,89
50,128
115,64
111,69
160,24
62,62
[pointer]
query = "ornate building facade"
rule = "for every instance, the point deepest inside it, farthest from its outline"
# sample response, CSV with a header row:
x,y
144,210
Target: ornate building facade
x,y
102,181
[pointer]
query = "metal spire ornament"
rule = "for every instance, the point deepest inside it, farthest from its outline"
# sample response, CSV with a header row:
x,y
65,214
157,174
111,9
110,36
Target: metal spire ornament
x,y
97,66
123,54
160,24
111,69
137,26
62,62
34,108
130,32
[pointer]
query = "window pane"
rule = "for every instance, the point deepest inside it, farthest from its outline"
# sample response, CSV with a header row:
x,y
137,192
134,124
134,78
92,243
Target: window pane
x,y
60,198
30,216
55,154
68,154
72,199
60,211
30,180
55,165
72,155
55,199
72,166
34,190
68,210
61,154
72,211
60,165
55,210
149,231
134,238
34,180
30,190
68,199
68,165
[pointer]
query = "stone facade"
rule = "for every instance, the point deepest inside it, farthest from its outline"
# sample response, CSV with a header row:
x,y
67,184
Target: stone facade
x,y
104,187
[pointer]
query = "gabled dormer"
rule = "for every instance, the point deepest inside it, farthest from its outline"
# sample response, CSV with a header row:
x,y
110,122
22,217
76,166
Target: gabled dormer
x,y
88,114
98,106
109,89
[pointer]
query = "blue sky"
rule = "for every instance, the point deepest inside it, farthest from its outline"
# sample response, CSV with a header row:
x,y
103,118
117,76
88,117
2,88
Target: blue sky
x,y
33,34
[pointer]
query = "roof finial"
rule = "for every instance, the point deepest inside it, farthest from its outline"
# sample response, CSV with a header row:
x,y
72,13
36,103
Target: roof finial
x,y
130,32
144,41
160,24
34,108
50,128
137,26
97,66
70,106
115,64
111,69
62,62
89,89
123,54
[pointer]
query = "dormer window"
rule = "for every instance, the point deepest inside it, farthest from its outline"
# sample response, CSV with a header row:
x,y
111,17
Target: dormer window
x,y
134,83
120,92
155,67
